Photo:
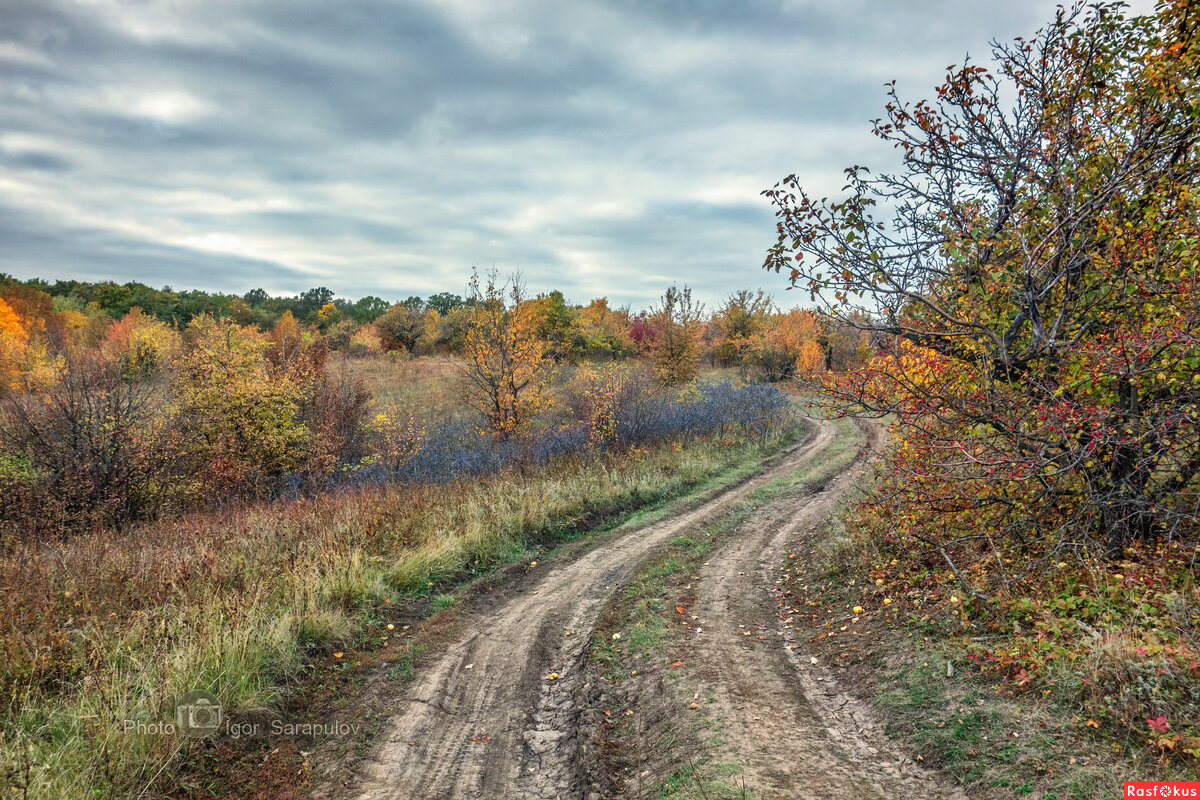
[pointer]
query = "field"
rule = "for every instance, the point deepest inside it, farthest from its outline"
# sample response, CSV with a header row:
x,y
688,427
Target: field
x,y
104,631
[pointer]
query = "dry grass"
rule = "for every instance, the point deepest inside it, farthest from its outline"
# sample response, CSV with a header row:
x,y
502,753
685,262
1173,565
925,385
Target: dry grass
x,y
427,387
106,631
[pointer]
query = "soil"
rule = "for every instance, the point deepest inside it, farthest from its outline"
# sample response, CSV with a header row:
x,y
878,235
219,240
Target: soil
x,y
789,721
499,711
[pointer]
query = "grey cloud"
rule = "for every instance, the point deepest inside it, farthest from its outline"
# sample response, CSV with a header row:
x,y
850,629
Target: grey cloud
x,y
47,162
98,255
603,147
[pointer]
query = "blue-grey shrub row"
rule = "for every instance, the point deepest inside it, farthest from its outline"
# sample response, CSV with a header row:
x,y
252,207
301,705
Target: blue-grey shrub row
x,y
456,449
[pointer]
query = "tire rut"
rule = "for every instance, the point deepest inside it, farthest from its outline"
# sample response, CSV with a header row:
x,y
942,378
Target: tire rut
x,y
484,720
788,724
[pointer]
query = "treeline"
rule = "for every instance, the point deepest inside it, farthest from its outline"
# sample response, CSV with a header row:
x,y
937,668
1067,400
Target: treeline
x,y
748,330
255,307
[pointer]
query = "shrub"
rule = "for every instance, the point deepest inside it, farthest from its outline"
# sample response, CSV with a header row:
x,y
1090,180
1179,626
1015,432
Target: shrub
x,y
96,448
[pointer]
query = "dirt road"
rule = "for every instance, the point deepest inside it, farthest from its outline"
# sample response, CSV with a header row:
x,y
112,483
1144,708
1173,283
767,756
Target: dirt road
x,y
788,723
486,720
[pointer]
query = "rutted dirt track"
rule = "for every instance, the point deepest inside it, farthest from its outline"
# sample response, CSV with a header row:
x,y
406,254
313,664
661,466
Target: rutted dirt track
x,y
483,721
795,732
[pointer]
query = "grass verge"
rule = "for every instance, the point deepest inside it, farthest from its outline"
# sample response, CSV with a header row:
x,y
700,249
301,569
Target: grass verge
x,y
269,606
912,652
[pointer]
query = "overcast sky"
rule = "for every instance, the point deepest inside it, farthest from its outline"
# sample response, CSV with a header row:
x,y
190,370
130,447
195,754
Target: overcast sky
x,y
603,148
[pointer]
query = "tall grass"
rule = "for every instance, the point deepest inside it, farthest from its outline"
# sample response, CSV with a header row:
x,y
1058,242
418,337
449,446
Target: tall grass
x,y
100,634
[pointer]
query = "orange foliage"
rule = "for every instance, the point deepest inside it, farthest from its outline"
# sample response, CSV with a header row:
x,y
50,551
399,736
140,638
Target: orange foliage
x,y
14,340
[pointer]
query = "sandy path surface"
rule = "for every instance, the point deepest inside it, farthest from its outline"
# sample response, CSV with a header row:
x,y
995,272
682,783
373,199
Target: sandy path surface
x,y
486,721
795,732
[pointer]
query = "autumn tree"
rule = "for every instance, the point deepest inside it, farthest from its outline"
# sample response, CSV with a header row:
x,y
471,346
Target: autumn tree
x,y
642,333
402,326
14,343
676,343
743,317
556,322
243,416
338,337
328,316
431,331
1039,280
786,345
92,423
31,333
505,360
604,330
287,339
142,343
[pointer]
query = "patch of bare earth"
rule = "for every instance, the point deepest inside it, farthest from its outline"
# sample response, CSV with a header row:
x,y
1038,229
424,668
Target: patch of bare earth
x,y
486,718
508,709
789,721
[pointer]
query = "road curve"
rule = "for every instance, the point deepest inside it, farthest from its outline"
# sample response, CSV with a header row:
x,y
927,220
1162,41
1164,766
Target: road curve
x,y
483,721
790,726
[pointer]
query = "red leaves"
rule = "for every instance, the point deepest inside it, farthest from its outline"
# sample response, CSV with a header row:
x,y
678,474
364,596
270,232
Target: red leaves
x,y
1159,724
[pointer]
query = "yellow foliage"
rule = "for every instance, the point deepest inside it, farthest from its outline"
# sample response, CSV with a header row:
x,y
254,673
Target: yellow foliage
x,y
287,337
506,363
365,341
399,439
811,358
143,343
600,390
243,414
